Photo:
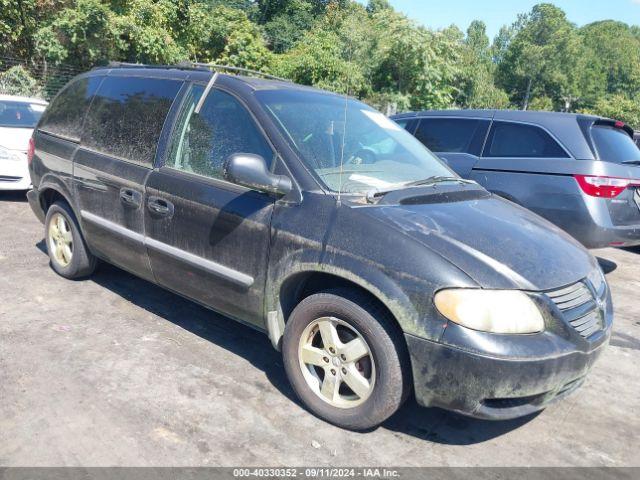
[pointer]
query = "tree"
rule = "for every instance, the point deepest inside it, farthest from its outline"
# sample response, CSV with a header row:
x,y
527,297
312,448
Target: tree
x,y
478,41
412,62
222,34
85,33
375,6
289,25
476,80
148,30
541,56
615,58
19,21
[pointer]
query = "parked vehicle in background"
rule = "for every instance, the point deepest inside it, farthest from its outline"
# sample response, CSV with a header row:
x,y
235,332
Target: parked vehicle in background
x,y
580,172
319,221
18,117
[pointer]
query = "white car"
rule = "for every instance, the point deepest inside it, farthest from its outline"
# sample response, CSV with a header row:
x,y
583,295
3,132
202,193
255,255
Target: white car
x,y
18,117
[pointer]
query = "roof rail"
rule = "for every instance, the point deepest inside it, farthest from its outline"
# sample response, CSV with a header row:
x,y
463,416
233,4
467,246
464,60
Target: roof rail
x,y
187,65
229,68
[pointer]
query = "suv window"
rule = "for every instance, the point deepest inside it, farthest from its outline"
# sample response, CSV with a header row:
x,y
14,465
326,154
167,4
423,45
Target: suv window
x,y
127,115
524,141
614,144
203,141
453,135
65,114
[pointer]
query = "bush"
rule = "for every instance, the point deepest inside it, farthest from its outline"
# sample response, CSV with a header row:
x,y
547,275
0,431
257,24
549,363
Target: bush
x,y
18,81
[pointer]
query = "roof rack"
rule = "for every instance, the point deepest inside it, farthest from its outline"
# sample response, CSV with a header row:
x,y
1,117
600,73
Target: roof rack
x,y
229,68
187,65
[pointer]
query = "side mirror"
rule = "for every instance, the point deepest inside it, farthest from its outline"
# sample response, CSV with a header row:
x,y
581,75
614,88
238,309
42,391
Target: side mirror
x,y
251,171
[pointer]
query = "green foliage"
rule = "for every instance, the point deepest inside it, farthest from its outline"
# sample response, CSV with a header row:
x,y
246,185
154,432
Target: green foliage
x,y
542,58
413,62
619,107
84,33
18,81
616,55
541,61
148,31
289,24
219,34
542,104
475,82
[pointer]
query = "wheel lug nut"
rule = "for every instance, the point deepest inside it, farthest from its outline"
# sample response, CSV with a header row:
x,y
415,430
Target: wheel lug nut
x,y
344,370
325,359
332,350
343,357
333,372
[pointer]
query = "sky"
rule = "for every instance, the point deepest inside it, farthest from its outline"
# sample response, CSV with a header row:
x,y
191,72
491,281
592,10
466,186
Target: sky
x,y
496,13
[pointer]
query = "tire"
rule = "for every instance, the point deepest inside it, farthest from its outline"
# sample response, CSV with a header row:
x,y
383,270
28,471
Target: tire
x,y
385,368
76,261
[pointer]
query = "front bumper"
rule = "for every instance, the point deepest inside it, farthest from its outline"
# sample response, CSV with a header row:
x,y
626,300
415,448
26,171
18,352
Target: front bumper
x,y
493,388
499,377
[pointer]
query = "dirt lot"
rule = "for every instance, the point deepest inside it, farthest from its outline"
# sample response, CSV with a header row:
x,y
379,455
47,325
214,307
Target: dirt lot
x,y
116,371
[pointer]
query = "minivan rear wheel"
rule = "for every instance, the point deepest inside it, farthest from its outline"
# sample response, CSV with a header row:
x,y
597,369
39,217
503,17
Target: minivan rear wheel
x,y
345,359
68,253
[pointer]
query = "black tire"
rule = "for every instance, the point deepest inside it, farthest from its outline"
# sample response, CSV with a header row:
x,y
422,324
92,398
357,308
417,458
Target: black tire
x,y
83,262
386,343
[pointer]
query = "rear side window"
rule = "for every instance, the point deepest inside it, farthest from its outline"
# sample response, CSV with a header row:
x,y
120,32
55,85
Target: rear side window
x,y
521,141
614,144
453,135
65,114
127,116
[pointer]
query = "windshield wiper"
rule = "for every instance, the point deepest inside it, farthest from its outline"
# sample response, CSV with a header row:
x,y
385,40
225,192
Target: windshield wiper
x,y
631,162
438,179
373,194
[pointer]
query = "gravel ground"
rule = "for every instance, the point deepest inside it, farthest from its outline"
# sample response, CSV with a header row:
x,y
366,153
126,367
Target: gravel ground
x,y
114,371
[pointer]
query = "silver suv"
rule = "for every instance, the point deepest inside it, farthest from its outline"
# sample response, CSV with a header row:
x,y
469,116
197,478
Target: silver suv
x,y
580,172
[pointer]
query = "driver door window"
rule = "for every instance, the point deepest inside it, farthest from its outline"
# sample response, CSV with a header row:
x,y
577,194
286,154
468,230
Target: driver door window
x,y
203,141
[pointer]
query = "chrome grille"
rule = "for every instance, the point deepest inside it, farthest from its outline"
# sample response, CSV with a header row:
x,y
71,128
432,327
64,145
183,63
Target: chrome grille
x,y
580,308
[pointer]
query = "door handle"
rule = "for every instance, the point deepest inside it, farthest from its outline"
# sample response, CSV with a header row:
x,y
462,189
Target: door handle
x,y
161,207
130,197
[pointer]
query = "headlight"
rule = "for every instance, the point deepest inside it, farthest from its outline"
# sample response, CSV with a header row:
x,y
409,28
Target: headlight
x,y
6,154
495,311
596,277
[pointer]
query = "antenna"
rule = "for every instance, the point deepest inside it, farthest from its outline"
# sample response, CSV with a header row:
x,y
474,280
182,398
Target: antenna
x,y
205,94
344,126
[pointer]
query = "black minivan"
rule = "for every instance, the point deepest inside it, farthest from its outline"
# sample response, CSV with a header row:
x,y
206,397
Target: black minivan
x,y
312,217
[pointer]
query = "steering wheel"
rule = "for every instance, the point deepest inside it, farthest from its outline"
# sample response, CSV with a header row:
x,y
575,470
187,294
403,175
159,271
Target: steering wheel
x,y
364,156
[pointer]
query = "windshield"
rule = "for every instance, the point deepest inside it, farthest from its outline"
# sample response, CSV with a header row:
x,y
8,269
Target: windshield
x,y
350,147
20,114
614,144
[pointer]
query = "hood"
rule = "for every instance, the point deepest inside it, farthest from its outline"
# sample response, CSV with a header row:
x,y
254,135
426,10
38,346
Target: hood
x,y
15,138
495,242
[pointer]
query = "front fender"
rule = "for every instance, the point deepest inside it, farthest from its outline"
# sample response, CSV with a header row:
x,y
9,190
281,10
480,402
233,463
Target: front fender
x,y
369,277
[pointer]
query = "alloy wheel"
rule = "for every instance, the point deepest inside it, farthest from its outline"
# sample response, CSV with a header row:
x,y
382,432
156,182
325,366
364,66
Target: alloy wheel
x,y
336,362
60,240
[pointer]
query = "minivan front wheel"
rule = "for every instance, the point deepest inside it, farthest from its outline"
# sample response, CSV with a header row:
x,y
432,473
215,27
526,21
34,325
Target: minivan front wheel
x,y
345,359
67,250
